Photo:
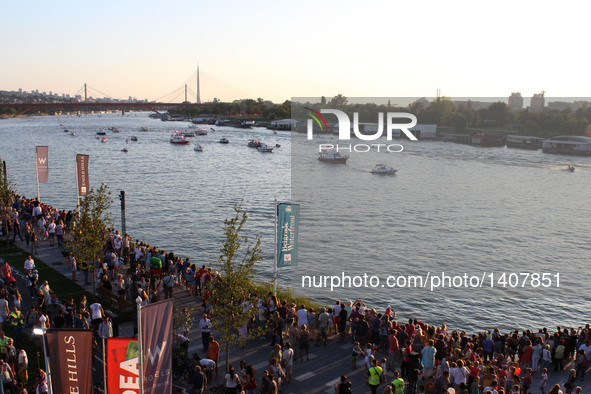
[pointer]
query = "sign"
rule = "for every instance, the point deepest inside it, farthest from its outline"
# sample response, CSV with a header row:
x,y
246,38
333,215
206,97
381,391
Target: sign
x,y
156,337
70,356
288,216
123,372
42,164
82,173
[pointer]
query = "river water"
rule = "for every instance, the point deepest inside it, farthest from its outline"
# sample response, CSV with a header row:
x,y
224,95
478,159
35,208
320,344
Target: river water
x,y
450,208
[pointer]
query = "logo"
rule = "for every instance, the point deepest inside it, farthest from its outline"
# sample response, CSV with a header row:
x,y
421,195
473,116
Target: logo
x,y
346,127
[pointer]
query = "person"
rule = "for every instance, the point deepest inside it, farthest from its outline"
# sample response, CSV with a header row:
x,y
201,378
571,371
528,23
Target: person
x,y
18,326
302,315
559,356
342,324
374,376
168,283
198,381
322,326
277,371
97,314
205,326
105,329
7,376
29,263
544,380
344,386
397,384
304,342
207,365
213,352
287,361
275,353
581,363
570,383
4,311
23,365
232,380
249,383
428,358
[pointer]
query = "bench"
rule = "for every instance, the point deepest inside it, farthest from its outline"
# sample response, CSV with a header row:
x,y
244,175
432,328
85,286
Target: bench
x,y
114,299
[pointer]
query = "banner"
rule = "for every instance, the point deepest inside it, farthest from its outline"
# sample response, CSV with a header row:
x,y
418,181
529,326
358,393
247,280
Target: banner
x,y
42,164
82,173
123,372
70,358
288,216
156,337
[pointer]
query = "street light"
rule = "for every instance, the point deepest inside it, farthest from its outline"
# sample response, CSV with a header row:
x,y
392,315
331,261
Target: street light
x,y
41,331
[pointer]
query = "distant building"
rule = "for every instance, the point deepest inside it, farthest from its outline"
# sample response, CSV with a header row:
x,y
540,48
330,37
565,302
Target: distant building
x,y
559,105
537,102
516,101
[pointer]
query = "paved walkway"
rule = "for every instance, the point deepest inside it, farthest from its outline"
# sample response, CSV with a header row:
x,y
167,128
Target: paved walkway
x,y
318,375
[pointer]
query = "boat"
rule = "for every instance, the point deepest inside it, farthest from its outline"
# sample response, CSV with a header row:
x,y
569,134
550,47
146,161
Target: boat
x,y
198,148
178,138
188,133
115,129
125,150
331,156
568,145
265,148
570,168
254,144
382,169
201,132
144,128
101,133
134,138
73,133
224,141
104,139
66,130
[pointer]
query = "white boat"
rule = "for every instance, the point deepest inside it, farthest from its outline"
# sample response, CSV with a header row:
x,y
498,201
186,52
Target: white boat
x,y
383,170
115,129
570,168
178,138
188,133
265,148
144,128
198,148
201,132
331,156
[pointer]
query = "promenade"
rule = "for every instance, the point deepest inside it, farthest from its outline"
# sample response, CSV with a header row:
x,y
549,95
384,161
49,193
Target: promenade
x,y
318,375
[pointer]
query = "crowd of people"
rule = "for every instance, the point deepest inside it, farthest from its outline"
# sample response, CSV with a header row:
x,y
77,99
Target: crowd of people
x,y
410,357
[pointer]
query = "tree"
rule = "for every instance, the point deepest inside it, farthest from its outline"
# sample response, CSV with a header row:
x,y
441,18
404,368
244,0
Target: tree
x,y
233,284
93,221
338,101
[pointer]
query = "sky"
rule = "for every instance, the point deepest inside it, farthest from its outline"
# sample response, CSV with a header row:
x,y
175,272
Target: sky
x,y
278,50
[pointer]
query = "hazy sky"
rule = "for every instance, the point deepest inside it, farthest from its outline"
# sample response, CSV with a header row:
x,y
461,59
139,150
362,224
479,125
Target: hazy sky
x,y
278,50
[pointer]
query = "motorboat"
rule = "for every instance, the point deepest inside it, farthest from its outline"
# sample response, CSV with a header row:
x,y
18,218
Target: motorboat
x,y
144,128
73,133
254,144
224,141
101,133
125,150
115,129
331,156
383,169
265,148
133,138
198,148
66,130
178,138
188,133
104,139
201,132
570,168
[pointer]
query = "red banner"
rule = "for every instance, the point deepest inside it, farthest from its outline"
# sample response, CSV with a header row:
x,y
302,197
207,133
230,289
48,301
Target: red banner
x,y
70,358
42,164
156,336
122,366
82,174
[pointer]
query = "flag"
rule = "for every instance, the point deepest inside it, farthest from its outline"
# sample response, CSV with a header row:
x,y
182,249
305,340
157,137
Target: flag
x,y
42,164
288,216
82,173
156,346
70,358
123,372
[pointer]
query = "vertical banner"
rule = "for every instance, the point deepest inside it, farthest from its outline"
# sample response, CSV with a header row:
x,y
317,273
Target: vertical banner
x,y
288,216
156,337
70,357
123,374
82,173
42,164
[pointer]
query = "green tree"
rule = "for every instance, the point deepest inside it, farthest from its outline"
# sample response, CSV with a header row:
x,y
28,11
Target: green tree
x,y
93,221
233,285
338,101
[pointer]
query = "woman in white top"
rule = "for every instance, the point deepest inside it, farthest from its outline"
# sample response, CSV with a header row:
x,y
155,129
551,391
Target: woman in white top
x,y
460,374
232,380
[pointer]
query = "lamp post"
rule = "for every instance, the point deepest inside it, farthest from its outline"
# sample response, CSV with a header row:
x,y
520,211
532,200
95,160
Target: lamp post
x,y
41,331
138,301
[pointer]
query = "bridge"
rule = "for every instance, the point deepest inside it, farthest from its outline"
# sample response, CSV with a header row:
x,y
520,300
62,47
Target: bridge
x,y
97,106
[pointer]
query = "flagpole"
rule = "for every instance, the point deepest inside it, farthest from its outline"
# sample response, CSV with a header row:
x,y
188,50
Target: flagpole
x,y
37,171
104,367
138,301
275,259
77,185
